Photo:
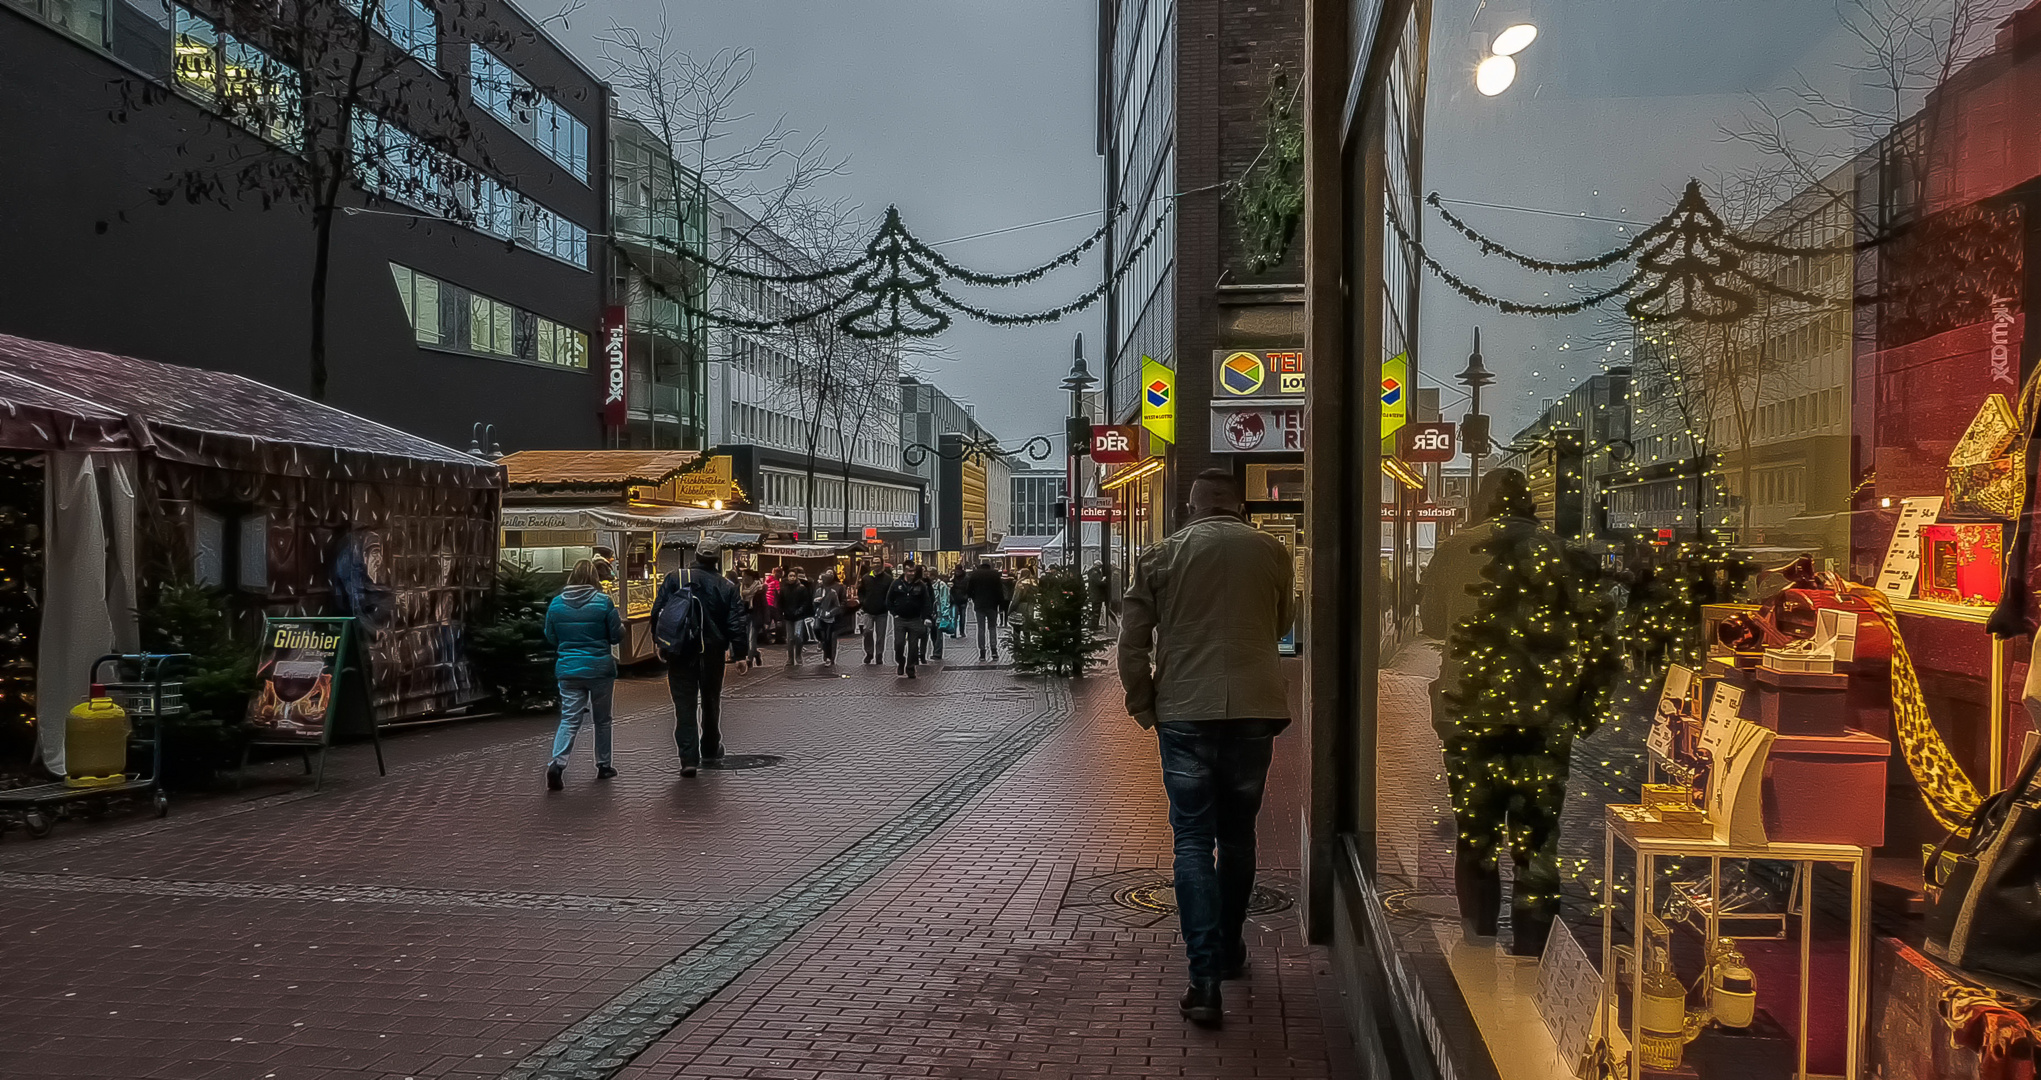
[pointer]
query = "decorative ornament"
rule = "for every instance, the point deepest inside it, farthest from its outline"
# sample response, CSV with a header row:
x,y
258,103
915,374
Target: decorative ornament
x,y
1688,266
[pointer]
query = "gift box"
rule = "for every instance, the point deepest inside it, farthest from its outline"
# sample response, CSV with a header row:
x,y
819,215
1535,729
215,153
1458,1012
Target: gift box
x,y
1803,702
1826,789
1963,564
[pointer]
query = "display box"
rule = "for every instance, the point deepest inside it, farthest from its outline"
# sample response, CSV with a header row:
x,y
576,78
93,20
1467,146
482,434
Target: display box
x,y
1834,641
1803,702
1826,789
1963,564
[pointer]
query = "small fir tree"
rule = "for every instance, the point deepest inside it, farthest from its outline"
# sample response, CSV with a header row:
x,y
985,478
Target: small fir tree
x,y
1051,634
507,639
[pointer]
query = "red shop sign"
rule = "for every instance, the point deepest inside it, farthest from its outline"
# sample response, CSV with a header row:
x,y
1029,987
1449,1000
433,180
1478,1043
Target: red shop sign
x,y
615,370
1116,444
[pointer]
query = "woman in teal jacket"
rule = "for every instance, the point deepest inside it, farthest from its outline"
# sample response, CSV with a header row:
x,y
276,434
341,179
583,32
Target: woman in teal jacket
x,y
582,623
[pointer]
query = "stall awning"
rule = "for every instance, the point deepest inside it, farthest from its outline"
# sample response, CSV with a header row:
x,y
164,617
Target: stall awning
x,y
687,522
737,539
53,397
809,549
556,469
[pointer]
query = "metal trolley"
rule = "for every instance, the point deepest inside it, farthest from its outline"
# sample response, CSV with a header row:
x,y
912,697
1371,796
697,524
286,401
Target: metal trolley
x,y
141,687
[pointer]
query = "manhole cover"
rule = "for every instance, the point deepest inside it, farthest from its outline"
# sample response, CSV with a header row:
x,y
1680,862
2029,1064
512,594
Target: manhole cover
x,y
1159,897
745,761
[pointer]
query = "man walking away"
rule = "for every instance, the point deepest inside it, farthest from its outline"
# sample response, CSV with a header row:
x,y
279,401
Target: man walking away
x,y
988,599
708,619
797,604
581,624
872,601
910,603
1199,662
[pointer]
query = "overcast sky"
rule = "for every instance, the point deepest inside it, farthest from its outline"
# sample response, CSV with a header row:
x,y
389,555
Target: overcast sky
x,y
971,115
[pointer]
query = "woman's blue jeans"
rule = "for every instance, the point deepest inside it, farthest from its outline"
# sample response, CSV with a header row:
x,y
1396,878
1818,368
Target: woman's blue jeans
x,y
580,698
1214,772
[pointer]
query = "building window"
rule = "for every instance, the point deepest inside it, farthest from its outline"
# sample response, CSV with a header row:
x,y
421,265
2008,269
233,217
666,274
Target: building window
x,y
446,316
236,79
82,19
526,110
409,24
399,166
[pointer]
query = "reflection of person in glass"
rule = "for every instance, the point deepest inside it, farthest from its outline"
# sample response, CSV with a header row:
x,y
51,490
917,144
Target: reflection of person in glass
x,y
1520,662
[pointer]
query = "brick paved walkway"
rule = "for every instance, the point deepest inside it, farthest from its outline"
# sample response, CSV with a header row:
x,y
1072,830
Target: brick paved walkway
x,y
923,887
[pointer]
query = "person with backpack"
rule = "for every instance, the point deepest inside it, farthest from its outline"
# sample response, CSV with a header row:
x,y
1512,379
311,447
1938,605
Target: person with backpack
x,y
581,624
830,607
697,616
872,603
988,598
910,602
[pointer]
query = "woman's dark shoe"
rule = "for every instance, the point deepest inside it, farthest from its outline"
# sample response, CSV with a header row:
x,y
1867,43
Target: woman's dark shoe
x,y
1200,1004
605,773
553,778
688,768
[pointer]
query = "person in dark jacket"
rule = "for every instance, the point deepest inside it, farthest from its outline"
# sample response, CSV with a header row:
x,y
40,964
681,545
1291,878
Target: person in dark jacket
x,y
872,603
581,624
697,679
960,598
797,605
830,608
910,603
988,599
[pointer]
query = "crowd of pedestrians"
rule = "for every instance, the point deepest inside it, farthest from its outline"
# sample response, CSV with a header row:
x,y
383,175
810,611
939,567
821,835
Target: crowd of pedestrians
x,y
705,619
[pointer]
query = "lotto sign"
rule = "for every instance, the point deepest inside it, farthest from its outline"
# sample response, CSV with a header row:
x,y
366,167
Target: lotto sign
x,y
1158,400
1243,374
1430,442
1395,393
1115,444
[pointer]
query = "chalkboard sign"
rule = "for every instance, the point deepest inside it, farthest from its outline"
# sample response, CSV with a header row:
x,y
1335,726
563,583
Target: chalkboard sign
x,y
304,661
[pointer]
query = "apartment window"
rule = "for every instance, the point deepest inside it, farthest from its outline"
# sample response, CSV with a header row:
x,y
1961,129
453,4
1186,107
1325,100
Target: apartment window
x,y
446,316
541,121
409,24
238,80
82,19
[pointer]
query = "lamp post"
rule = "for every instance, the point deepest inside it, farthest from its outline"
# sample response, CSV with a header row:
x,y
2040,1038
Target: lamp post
x,y
1078,444
1474,425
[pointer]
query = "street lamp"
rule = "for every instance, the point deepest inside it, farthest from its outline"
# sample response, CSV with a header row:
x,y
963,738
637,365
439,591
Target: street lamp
x,y
1474,425
1078,444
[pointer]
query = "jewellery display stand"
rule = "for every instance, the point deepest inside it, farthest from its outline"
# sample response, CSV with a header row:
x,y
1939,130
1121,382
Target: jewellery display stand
x,y
1650,849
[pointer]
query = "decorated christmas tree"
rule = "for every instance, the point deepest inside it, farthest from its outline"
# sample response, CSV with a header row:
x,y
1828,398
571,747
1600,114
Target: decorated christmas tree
x,y
1537,661
1050,634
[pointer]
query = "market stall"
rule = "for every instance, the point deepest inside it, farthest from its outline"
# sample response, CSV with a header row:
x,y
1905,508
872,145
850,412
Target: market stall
x,y
125,476
635,509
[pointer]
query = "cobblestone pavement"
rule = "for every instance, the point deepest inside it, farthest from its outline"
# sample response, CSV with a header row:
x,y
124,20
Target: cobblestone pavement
x,y
929,882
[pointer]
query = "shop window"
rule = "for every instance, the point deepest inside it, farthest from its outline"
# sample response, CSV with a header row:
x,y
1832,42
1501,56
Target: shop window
x,y
230,550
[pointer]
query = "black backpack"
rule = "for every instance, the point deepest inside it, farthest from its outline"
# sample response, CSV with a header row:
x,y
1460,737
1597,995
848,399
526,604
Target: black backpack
x,y
678,630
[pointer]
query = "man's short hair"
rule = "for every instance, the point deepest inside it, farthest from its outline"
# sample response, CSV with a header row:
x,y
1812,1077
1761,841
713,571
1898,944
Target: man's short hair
x,y
1223,486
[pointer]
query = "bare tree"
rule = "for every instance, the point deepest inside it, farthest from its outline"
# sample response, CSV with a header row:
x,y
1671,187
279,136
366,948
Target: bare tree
x,y
337,96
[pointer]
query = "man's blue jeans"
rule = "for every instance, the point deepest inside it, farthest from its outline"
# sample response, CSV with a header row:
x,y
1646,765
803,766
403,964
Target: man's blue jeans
x,y
578,698
1214,772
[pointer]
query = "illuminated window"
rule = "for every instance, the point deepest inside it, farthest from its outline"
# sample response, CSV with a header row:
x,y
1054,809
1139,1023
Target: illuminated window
x,y
447,317
242,82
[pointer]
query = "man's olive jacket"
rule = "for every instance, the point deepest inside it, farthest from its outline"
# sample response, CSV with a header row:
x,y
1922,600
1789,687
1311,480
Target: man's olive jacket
x,y
1200,625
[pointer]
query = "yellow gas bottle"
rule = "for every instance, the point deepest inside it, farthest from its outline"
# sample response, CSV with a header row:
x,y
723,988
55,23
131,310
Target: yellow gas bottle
x,y
96,742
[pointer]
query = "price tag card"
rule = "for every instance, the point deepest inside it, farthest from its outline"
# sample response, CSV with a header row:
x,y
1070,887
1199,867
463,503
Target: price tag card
x,y
1723,708
1902,565
1679,684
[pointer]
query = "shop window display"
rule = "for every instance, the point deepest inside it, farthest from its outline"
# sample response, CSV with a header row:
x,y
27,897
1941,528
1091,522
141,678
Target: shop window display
x,y
1684,759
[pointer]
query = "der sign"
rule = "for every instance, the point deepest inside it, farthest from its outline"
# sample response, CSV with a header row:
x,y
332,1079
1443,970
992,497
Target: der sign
x,y
1116,444
1427,442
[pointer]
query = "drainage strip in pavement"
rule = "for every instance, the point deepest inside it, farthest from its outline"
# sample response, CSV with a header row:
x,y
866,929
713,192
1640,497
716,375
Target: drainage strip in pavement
x,y
458,899
602,1043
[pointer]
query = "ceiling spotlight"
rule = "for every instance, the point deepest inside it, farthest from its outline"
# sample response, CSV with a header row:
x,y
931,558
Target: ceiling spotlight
x,y
1512,41
1494,75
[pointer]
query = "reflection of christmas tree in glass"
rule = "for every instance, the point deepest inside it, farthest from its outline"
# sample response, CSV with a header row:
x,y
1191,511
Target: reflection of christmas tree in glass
x,y
21,574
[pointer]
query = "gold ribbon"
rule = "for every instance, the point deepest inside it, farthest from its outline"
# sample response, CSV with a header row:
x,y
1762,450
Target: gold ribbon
x,y
1950,795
